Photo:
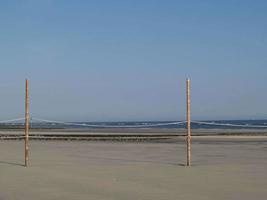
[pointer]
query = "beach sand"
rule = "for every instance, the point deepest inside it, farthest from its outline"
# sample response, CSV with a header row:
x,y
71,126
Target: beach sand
x,y
225,167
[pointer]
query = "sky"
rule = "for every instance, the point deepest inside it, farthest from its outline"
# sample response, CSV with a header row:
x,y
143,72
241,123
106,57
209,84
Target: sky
x,y
128,60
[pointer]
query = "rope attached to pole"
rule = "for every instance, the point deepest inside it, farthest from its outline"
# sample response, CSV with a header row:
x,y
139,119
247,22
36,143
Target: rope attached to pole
x,y
109,126
228,124
12,120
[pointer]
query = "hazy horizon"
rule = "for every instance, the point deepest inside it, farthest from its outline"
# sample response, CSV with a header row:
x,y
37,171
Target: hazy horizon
x,y
128,61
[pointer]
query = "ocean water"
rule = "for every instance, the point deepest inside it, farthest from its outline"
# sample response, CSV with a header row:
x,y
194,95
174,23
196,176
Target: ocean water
x,y
224,124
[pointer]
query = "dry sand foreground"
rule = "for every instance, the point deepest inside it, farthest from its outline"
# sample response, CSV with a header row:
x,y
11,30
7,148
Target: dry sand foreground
x,y
223,169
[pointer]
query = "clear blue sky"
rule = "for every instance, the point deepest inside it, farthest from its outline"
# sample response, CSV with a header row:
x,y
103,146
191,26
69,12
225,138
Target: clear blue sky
x,y
128,60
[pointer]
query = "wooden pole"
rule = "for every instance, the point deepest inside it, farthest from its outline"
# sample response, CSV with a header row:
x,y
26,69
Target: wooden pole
x,y
188,110
27,118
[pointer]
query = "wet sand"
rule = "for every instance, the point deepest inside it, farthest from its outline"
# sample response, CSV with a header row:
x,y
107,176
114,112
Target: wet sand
x,y
223,168
128,134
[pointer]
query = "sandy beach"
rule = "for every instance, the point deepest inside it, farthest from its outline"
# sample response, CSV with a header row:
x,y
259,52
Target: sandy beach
x,y
224,167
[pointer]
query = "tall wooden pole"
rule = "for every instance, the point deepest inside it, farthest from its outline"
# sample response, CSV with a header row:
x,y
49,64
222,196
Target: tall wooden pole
x,y
188,110
27,118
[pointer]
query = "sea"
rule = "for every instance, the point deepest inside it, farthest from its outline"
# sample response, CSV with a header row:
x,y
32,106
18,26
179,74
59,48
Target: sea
x,y
210,124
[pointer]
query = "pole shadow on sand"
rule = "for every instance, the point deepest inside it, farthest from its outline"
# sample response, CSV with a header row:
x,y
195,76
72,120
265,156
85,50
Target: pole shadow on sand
x,y
135,160
11,163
